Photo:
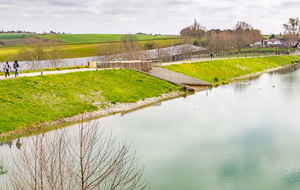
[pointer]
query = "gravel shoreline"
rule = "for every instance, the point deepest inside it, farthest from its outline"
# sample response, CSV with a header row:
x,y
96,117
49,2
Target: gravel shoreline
x,y
261,72
119,107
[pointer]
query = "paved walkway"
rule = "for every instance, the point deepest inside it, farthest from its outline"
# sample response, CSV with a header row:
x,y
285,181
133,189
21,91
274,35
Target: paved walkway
x,y
156,71
297,52
12,74
177,77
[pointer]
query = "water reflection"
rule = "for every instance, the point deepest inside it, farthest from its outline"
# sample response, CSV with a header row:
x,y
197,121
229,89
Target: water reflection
x,y
244,135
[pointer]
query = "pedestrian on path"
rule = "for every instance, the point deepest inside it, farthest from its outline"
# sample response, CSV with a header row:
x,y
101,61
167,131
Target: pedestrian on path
x,y
6,69
211,55
16,67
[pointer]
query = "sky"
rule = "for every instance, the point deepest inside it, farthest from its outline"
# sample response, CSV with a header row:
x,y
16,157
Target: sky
x,y
146,16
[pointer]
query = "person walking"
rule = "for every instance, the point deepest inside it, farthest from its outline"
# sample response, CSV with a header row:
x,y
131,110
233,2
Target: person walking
x,y
211,55
6,69
16,67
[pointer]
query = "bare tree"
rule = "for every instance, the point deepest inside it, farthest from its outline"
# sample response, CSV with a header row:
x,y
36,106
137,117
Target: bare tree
x,y
290,39
108,51
130,47
55,52
34,53
194,31
241,31
292,26
292,29
85,160
221,42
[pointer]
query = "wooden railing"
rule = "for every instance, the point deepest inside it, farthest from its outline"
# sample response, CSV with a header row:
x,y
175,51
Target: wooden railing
x,y
140,65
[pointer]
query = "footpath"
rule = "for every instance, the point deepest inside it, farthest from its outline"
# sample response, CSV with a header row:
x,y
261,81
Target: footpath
x,y
12,74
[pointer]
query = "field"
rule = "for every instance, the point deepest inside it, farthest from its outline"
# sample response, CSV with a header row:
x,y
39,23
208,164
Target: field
x,y
100,38
13,35
221,71
28,101
81,45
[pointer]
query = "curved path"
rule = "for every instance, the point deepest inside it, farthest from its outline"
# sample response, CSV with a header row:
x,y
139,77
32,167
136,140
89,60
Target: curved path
x,y
12,74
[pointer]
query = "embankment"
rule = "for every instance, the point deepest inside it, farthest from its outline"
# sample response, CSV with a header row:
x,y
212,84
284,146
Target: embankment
x,y
223,71
28,102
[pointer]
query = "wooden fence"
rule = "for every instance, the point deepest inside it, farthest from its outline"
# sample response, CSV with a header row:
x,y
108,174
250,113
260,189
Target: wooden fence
x,y
140,65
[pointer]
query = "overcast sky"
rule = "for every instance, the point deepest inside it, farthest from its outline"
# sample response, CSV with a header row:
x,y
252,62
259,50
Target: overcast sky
x,y
149,16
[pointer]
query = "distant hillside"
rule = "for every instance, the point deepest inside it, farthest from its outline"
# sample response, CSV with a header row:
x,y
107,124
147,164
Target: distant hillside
x,y
99,38
14,35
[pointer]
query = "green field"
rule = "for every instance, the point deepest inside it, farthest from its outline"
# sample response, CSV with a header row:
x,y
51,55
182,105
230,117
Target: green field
x,y
13,35
28,101
78,50
100,38
221,71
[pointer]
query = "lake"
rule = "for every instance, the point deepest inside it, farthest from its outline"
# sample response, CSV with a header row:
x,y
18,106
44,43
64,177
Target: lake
x,y
244,135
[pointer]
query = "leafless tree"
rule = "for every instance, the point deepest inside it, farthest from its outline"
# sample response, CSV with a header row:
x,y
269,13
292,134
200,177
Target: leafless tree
x,y
292,29
130,48
241,31
108,51
86,159
290,39
194,32
245,35
56,52
292,26
221,42
34,53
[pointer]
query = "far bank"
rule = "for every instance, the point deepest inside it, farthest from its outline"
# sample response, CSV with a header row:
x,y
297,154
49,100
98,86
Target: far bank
x,y
220,72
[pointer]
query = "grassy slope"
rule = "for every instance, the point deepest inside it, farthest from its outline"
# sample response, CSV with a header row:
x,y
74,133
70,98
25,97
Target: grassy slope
x,y
30,100
226,69
99,38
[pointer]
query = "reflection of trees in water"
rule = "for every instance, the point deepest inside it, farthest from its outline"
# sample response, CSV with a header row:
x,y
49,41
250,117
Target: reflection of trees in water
x,y
81,159
288,79
285,70
2,168
240,87
18,144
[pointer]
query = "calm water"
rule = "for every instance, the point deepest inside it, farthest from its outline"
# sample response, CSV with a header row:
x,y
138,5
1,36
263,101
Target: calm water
x,y
244,135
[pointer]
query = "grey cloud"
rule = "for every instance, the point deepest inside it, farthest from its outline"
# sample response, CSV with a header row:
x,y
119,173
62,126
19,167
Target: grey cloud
x,y
158,15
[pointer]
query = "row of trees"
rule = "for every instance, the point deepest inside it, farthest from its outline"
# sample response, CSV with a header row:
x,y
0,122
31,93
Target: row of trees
x,y
129,48
40,50
292,30
242,35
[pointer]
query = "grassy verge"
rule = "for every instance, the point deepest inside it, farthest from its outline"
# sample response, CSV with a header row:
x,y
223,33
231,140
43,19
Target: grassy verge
x,y
220,71
28,101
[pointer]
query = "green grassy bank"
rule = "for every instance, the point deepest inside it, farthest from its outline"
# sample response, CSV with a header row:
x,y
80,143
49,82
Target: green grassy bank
x,y
221,71
27,101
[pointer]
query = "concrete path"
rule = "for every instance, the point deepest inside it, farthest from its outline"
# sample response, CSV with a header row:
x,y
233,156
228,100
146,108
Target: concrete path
x,y
12,74
297,51
176,77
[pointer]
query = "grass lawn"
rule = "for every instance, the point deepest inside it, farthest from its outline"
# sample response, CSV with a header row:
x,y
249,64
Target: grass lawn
x,y
27,101
219,71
